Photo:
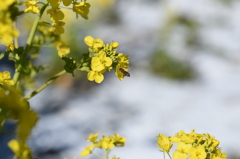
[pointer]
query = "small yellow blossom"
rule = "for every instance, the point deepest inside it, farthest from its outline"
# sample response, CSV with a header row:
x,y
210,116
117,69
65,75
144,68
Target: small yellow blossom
x,y
55,14
94,43
87,151
197,153
164,143
122,63
101,62
20,150
10,47
7,32
118,140
63,50
81,8
95,76
5,78
92,137
54,3
58,27
181,152
31,6
115,44
107,143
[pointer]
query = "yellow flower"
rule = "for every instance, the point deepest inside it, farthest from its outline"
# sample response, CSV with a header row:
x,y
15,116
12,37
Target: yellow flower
x,y
181,152
5,4
5,78
101,63
94,43
58,27
115,44
31,7
67,2
87,150
164,143
95,76
218,155
55,14
189,138
20,150
7,32
54,3
118,140
122,63
92,137
197,153
10,47
81,8
63,50
107,143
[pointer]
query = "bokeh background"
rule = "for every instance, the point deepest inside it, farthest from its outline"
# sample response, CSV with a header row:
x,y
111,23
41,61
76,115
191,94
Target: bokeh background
x,y
185,74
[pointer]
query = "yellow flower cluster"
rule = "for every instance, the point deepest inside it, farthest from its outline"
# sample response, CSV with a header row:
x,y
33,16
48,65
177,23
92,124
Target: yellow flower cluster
x,y
20,150
104,57
7,31
191,146
106,143
57,15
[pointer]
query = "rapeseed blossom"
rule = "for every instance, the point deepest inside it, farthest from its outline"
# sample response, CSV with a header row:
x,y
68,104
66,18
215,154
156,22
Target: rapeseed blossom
x,y
105,57
106,143
191,146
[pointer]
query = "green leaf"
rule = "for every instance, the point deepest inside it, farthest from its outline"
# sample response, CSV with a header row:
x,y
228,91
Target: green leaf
x,y
70,65
2,55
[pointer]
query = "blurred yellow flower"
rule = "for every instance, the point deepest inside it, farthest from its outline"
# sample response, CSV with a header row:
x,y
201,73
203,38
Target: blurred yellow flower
x,y
118,140
58,27
92,137
55,14
63,50
164,143
5,78
81,8
87,150
20,150
5,4
31,6
7,32
54,3
107,142
67,2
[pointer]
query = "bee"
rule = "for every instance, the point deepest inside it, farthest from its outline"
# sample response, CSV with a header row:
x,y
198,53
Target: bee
x,y
125,73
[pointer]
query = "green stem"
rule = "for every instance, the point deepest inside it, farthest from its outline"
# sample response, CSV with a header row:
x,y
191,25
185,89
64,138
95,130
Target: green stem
x,y
44,85
29,41
15,39
48,46
169,155
107,153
